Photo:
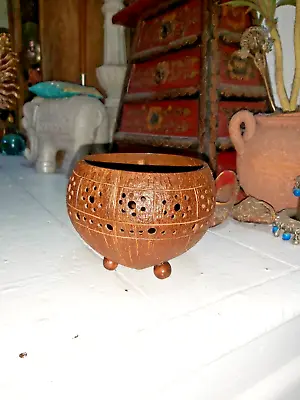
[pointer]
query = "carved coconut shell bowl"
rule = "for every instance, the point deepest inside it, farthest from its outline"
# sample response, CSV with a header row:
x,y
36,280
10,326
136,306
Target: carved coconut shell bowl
x,y
141,210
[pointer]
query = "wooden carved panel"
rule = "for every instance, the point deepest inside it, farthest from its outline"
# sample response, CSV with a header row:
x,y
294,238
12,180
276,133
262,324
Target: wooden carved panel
x,y
177,70
234,19
174,118
177,24
236,71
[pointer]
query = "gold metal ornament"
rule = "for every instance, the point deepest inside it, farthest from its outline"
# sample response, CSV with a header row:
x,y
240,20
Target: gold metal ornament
x,y
9,89
256,43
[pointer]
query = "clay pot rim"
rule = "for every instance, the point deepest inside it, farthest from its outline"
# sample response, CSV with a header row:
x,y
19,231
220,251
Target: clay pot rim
x,y
183,165
279,115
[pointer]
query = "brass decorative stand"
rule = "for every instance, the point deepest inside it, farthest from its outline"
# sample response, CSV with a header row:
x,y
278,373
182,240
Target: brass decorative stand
x,y
287,221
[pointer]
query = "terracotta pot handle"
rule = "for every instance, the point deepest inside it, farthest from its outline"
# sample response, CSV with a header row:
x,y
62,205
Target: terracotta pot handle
x,y
237,139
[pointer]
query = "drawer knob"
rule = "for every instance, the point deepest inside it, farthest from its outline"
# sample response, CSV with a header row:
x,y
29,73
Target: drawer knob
x,y
165,29
159,75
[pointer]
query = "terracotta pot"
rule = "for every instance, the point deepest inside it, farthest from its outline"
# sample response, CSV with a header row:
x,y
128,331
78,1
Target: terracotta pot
x,y
267,156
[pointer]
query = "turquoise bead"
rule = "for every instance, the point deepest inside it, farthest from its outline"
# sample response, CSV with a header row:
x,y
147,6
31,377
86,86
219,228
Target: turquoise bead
x,y
296,192
286,236
12,144
275,229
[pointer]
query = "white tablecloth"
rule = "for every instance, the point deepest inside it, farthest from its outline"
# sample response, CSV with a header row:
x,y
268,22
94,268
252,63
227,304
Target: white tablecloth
x,y
224,326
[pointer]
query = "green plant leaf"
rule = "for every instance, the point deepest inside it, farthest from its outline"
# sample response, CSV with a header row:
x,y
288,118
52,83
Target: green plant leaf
x,y
281,3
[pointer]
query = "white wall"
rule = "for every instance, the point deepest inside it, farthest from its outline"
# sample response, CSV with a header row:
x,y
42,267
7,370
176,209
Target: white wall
x,y
286,17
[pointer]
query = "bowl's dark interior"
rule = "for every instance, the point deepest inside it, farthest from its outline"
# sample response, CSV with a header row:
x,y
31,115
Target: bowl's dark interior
x,y
134,162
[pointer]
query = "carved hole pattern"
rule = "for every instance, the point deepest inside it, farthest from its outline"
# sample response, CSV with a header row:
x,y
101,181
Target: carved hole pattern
x,y
133,208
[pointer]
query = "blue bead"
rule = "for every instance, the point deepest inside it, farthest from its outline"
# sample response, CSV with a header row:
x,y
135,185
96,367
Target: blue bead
x,y
275,229
296,192
286,236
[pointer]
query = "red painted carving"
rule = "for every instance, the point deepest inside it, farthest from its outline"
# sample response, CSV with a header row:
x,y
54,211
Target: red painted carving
x,y
234,19
236,71
178,70
172,118
182,22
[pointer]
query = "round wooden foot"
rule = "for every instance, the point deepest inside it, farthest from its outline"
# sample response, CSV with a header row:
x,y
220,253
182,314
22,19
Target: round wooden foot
x,y
163,270
110,265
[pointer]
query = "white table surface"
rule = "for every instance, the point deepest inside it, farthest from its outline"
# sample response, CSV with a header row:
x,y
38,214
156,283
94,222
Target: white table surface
x,y
225,325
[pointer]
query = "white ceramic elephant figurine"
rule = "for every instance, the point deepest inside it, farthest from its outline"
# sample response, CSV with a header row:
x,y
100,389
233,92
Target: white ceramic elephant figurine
x,y
77,125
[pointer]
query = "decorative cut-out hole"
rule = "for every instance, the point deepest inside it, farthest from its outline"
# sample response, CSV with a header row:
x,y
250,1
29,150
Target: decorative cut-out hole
x,y
100,194
86,206
122,230
133,214
164,202
141,232
84,218
123,211
100,225
86,189
143,209
174,232
183,215
173,216
131,231
143,198
177,207
91,199
100,205
151,231
95,187
120,202
91,221
195,227
176,197
83,198
123,195
163,232
94,209
109,227
132,205
186,197
165,212
78,216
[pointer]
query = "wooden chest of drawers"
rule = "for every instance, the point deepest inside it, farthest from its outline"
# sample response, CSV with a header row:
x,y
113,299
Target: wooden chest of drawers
x,y
183,81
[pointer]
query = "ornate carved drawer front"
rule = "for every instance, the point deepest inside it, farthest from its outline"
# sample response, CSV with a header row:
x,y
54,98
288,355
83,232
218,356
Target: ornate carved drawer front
x,y
176,70
172,118
175,25
234,19
235,71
